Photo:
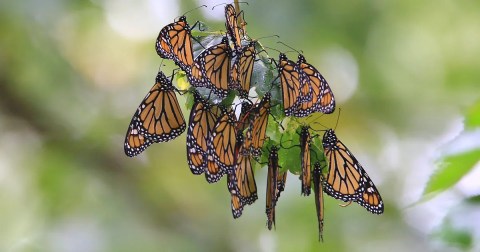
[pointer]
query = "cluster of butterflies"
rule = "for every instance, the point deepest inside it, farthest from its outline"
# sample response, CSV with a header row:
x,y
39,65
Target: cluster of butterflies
x,y
221,144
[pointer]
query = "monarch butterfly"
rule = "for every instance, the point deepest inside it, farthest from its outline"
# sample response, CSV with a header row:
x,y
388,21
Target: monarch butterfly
x,y
174,42
290,83
221,146
318,189
212,68
241,183
346,178
157,119
242,70
236,202
259,125
305,158
321,97
232,25
271,198
247,187
202,120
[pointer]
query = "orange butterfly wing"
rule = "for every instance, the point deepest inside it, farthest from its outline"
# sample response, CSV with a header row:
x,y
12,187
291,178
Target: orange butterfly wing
x,y
290,83
202,120
175,42
158,118
242,70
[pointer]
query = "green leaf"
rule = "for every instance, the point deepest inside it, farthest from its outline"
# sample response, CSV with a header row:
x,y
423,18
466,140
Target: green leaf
x,y
452,169
182,80
473,200
455,237
290,160
472,118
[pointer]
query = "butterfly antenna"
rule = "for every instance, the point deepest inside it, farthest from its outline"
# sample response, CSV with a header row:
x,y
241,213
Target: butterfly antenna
x,y
218,5
237,6
270,48
200,28
338,117
320,125
174,71
271,36
299,52
312,119
201,6
160,66
272,60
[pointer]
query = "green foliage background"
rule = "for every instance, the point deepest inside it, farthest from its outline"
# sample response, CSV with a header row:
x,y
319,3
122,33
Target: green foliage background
x,y
405,74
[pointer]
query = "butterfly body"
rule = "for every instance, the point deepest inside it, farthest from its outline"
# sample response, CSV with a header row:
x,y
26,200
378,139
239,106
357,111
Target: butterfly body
x,y
305,176
271,198
318,181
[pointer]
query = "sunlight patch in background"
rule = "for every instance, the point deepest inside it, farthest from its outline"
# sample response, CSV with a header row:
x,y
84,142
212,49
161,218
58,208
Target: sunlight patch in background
x,y
429,215
464,142
138,20
20,206
469,185
76,234
217,14
340,69
267,242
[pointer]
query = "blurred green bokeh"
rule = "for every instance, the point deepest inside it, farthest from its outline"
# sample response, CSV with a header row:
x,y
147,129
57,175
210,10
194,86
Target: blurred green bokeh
x,y
73,72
